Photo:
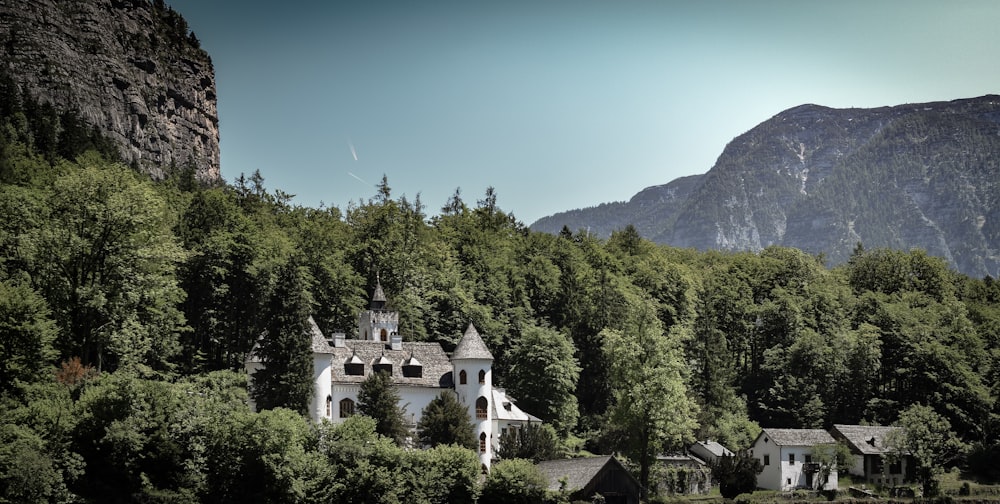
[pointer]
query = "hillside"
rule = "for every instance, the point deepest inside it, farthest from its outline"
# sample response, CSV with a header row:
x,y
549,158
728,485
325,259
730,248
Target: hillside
x,y
131,68
822,180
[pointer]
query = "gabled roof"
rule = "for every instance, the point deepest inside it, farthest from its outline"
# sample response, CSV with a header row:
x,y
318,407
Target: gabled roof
x,y
319,344
504,408
864,439
712,447
436,366
796,437
471,346
580,473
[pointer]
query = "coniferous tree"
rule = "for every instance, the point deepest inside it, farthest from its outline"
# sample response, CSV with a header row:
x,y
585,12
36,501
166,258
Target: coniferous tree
x,y
445,421
379,400
285,349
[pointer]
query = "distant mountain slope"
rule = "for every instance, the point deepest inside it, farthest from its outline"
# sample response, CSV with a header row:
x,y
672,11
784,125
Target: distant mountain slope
x,y
820,179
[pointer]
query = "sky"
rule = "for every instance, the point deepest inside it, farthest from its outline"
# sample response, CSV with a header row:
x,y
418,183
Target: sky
x,y
556,104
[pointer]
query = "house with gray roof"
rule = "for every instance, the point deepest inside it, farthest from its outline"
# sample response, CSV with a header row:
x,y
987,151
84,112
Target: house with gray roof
x,y
787,457
870,452
585,478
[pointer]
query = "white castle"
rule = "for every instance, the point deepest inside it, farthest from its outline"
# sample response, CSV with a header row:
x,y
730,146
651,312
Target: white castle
x,y
420,372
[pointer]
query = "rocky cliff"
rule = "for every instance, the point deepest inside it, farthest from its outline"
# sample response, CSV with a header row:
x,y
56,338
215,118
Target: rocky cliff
x,y
820,179
129,67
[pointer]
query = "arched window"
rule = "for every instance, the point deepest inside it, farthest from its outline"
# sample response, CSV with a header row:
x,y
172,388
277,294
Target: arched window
x,y
346,408
329,406
462,378
384,335
482,443
481,405
482,376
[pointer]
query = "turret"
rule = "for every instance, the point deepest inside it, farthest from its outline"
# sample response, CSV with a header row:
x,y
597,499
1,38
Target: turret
x,y
378,323
472,365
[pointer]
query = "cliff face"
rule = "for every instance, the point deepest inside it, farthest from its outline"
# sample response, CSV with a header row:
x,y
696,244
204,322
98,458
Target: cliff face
x,y
819,179
128,67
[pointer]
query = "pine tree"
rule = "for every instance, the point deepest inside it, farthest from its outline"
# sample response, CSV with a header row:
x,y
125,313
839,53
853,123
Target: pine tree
x,y
379,400
445,421
286,350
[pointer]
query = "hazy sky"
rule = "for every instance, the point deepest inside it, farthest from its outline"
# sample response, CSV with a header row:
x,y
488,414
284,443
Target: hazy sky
x,y
558,104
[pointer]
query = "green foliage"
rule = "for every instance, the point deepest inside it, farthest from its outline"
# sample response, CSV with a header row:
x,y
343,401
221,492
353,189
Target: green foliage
x,y
26,335
543,376
652,412
379,399
534,442
514,481
445,421
736,474
285,381
925,437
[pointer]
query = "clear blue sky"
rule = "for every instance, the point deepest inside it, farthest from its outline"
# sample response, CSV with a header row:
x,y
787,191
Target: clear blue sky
x,y
558,104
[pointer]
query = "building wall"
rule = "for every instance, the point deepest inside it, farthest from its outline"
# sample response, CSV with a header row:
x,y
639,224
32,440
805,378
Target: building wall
x,y
321,388
771,477
470,392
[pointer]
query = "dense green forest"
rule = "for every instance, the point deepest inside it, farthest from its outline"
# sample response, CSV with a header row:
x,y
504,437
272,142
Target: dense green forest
x,y
128,306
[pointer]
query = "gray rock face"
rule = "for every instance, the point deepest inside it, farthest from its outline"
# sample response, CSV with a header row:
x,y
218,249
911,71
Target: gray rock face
x,y
129,67
819,179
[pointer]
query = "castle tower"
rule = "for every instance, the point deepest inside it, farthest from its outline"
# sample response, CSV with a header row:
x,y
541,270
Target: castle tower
x,y
472,365
378,323
321,403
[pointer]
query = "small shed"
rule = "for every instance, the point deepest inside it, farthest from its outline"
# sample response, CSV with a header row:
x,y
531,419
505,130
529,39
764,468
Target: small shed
x,y
586,477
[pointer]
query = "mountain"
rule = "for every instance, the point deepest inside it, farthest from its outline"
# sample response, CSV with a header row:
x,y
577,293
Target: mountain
x,y
822,180
129,67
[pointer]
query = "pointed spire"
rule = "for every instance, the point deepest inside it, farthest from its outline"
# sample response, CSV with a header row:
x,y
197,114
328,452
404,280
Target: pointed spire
x,y
378,297
471,346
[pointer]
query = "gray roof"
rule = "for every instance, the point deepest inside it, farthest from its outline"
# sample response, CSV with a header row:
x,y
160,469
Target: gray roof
x,y
319,344
579,472
864,439
712,447
471,346
797,437
436,366
379,294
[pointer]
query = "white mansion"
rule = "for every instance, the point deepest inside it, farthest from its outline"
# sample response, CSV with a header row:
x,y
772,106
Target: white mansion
x,y
420,371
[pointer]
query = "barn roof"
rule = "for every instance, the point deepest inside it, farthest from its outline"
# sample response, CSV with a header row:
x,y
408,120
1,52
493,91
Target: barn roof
x,y
864,439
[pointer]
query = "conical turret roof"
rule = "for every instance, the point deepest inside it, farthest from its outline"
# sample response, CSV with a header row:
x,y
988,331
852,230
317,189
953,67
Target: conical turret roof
x,y
318,341
471,346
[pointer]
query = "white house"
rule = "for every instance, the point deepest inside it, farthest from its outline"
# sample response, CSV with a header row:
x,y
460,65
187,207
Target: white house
x,y
709,451
419,370
868,452
787,457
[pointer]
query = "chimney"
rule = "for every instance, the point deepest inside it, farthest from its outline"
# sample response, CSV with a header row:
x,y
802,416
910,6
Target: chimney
x,y
338,340
396,341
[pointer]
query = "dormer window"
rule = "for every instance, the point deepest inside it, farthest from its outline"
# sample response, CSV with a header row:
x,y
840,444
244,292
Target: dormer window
x,y
412,368
354,366
383,364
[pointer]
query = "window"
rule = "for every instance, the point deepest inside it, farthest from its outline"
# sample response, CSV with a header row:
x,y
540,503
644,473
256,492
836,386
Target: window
x,y
482,443
767,460
482,376
346,408
791,458
329,406
462,378
895,467
809,459
481,406
384,335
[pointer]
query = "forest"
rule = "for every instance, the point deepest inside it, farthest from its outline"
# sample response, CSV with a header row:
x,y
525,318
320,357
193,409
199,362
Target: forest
x,y
128,307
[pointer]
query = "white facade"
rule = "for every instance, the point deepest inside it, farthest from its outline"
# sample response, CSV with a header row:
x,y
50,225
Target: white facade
x,y
476,393
787,457
320,406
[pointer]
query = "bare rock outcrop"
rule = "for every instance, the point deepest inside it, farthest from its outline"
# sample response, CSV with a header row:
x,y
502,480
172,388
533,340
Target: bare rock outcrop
x,y
129,67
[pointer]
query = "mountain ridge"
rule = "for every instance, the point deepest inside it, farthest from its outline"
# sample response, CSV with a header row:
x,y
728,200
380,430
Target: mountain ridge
x,y
824,179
